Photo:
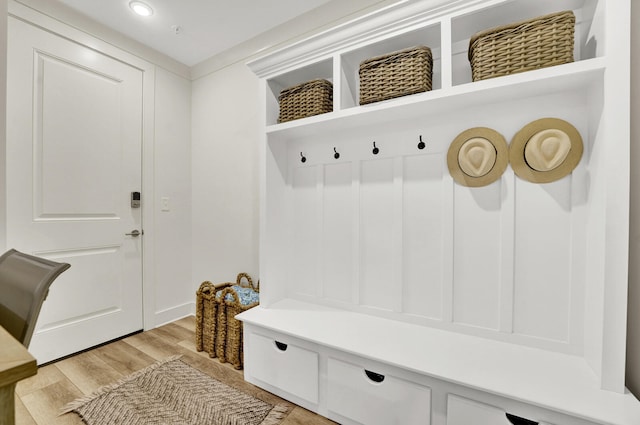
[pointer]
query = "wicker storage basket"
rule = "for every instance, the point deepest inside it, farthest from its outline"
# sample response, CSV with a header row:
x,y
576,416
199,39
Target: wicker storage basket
x,y
522,46
229,342
207,316
304,100
218,332
396,74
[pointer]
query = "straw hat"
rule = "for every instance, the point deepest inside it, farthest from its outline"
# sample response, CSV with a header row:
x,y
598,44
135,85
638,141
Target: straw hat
x,y
477,157
545,150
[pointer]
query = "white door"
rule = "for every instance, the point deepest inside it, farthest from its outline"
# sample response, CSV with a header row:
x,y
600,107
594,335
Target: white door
x,y
74,136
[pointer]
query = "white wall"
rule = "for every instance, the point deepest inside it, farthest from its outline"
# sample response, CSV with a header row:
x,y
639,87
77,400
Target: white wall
x,y
174,294
225,130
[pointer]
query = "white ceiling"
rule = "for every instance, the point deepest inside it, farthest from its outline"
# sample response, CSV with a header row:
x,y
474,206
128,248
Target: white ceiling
x,y
208,27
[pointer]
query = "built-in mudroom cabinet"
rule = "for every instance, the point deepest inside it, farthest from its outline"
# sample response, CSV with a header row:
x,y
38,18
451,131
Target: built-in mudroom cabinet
x,y
391,293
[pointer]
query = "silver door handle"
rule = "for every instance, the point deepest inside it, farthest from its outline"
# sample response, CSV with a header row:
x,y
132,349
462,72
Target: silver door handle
x,y
135,233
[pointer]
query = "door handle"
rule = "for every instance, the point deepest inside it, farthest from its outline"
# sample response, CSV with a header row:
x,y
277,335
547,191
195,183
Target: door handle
x,y
135,233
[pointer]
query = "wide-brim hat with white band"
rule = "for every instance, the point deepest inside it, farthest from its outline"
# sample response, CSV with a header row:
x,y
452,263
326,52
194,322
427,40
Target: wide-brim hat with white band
x,y
545,150
477,157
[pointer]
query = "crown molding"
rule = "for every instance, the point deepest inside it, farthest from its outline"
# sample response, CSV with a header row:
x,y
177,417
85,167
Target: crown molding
x,y
374,25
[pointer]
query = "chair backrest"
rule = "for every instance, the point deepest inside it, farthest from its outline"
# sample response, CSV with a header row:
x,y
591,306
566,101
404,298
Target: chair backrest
x,y
24,284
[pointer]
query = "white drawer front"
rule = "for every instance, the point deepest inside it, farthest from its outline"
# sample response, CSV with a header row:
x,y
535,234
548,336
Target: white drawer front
x,y
290,368
462,411
356,395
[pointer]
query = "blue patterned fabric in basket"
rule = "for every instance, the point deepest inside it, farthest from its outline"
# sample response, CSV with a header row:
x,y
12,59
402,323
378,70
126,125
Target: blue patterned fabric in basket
x,y
245,295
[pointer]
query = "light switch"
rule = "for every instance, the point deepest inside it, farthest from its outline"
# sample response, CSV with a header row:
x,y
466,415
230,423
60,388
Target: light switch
x,y
164,203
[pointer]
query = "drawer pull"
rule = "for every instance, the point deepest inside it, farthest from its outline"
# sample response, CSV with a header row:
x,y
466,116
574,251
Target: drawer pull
x,y
281,346
517,420
375,377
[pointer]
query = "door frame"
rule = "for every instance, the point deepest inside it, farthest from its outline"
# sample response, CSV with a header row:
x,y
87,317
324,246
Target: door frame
x,y
38,19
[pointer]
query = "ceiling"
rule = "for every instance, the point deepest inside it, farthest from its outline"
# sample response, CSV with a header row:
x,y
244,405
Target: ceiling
x,y
206,27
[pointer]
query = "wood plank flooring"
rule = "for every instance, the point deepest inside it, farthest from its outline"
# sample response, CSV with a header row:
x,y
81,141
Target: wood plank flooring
x,y
40,398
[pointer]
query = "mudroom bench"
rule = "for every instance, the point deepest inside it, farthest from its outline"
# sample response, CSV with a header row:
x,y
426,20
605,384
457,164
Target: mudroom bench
x,y
355,368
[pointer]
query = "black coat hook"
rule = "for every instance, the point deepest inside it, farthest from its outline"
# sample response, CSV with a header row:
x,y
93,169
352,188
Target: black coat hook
x,y
375,149
421,145
336,155
302,158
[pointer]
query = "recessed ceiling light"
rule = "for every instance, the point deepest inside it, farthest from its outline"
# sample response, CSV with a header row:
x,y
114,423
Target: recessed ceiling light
x,y
141,8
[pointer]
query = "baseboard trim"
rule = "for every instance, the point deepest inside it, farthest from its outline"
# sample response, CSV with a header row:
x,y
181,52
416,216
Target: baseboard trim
x,y
172,314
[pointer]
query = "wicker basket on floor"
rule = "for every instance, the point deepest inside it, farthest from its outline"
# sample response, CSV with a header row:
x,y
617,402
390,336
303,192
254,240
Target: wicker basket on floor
x,y
396,74
304,100
207,316
522,46
229,342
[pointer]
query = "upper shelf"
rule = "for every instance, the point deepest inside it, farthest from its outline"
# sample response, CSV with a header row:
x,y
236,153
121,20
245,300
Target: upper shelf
x,y
573,76
445,30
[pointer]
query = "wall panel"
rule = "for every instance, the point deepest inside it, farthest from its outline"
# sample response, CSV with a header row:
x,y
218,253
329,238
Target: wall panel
x,y
303,277
423,231
542,286
476,244
378,288
338,234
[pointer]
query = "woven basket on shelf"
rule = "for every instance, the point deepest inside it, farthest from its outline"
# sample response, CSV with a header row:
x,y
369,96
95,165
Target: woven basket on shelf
x,y
304,100
218,332
229,342
396,74
522,46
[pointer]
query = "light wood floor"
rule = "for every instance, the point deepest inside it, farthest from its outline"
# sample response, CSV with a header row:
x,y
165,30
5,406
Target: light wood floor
x,y
40,397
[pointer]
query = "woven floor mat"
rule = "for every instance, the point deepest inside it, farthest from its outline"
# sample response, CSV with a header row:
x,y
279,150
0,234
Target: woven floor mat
x,y
172,392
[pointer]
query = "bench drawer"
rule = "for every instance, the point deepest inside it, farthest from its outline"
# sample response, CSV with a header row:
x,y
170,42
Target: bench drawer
x,y
368,397
462,411
284,365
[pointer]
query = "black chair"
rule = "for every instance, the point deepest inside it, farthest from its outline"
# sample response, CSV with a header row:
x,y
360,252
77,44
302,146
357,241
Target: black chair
x,y
24,285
